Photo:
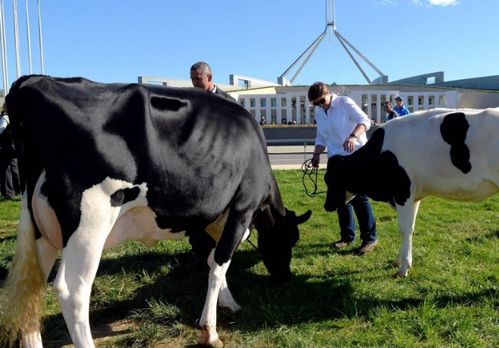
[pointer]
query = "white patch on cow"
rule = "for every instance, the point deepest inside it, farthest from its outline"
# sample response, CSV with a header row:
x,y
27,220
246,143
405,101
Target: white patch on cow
x,y
100,224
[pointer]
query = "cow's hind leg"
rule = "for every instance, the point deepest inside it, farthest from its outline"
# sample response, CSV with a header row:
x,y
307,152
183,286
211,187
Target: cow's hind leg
x,y
225,298
80,260
407,218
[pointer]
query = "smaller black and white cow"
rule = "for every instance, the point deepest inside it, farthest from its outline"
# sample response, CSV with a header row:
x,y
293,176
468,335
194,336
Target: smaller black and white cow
x,y
106,163
452,154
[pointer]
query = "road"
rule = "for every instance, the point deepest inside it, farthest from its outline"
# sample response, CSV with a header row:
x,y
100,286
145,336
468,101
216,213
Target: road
x,y
292,157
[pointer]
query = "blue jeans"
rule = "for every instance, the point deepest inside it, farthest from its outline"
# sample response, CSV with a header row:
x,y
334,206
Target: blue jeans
x,y
360,204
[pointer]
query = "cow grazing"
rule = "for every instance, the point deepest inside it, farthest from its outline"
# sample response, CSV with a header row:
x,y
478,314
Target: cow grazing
x,y
106,163
452,154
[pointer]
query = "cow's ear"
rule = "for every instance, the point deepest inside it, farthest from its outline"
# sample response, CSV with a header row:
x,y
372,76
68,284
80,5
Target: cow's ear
x,y
304,217
167,104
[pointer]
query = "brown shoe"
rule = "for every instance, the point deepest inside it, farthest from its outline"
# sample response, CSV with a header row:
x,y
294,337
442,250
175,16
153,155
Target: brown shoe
x,y
365,248
340,244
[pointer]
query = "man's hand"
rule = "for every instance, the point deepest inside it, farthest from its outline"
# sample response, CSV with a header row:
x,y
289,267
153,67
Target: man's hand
x,y
316,159
349,144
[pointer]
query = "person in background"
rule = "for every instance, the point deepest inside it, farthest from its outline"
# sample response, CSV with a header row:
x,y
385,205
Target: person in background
x,y
400,109
341,129
390,113
9,172
202,77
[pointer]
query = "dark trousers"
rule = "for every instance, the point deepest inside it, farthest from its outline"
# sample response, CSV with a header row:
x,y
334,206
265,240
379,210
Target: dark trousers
x,y
360,204
9,176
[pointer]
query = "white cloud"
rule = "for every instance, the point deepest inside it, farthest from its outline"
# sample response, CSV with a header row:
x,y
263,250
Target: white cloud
x,y
441,3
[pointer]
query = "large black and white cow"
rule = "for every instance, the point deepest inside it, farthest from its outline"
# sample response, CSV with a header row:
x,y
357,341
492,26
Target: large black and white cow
x,y
106,163
452,154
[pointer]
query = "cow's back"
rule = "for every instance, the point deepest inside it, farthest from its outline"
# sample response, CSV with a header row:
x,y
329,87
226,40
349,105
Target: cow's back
x,y
442,149
192,149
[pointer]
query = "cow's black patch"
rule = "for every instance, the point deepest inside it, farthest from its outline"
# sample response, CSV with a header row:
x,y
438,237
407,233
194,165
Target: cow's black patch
x,y
124,196
396,181
369,171
453,129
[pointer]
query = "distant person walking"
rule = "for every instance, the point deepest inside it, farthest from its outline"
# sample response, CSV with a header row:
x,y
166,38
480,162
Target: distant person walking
x,y
400,108
202,77
9,172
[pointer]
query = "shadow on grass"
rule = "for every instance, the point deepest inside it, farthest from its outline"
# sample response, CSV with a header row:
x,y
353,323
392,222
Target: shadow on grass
x,y
300,301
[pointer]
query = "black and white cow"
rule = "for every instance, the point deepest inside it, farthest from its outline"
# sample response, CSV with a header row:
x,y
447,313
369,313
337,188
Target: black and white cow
x,y
452,154
106,163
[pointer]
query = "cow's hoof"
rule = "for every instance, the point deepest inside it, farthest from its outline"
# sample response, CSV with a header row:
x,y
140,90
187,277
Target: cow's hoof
x,y
400,275
209,337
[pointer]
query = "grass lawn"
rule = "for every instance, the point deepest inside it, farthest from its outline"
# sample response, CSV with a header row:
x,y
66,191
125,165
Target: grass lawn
x,y
146,297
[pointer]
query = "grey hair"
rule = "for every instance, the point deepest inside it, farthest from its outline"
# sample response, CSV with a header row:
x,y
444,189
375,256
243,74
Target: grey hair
x,y
204,67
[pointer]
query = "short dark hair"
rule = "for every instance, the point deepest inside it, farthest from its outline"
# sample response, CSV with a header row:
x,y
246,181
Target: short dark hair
x,y
204,67
318,89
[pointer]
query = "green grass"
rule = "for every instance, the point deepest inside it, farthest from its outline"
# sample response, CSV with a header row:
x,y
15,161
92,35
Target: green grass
x,y
147,298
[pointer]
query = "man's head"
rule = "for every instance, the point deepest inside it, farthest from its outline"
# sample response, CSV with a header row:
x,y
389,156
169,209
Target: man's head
x,y
399,100
201,76
319,95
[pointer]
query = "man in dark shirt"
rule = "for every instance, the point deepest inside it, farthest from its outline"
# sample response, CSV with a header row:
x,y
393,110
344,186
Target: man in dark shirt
x,y
202,77
390,113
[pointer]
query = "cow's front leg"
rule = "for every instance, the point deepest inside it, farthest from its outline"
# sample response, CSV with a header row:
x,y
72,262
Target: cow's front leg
x,y
208,321
407,218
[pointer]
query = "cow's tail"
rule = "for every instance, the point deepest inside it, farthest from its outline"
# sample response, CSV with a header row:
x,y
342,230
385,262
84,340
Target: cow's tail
x,y
22,296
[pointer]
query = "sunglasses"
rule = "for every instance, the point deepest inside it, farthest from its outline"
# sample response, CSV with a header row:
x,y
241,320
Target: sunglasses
x,y
319,102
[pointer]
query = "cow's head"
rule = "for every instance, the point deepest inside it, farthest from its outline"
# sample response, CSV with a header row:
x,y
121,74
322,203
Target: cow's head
x,y
336,178
277,235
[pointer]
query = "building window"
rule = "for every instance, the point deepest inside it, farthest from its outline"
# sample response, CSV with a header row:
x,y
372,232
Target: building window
x,y
252,103
420,100
273,102
263,102
441,100
242,102
273,116
284,116
283,102
263,116
431,100
410,100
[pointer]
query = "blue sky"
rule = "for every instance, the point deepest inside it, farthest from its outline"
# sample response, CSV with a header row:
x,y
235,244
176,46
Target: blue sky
x,y
118,40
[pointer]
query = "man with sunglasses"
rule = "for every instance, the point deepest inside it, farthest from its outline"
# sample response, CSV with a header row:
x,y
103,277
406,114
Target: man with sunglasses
x,y
341,129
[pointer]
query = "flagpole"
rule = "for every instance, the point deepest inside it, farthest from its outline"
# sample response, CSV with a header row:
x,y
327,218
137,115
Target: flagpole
x,y
28,34
16,39
40,37
3,46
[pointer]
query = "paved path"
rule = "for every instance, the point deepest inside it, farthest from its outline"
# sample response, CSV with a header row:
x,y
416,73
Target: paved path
x,y
292,157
